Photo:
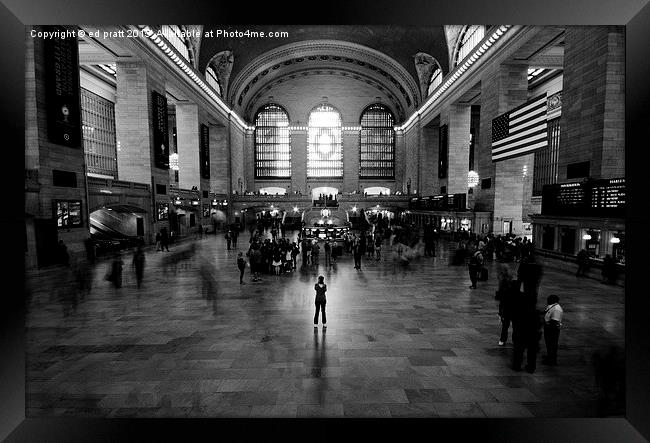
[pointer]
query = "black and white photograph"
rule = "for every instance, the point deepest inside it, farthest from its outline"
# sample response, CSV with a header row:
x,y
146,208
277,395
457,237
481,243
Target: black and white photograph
x,y
335,221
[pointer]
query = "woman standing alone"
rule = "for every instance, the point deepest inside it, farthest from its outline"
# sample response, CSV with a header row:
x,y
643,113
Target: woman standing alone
x,y
320,288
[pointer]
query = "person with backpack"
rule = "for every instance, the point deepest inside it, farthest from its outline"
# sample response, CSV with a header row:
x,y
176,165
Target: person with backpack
x,y
320,288
475,266
228,237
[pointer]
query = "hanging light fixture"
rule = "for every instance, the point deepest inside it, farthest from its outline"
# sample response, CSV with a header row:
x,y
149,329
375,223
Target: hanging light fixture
x,y
472,179
615,240
586,237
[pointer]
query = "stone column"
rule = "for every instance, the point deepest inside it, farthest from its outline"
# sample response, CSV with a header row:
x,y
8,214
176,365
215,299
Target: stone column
x,y
249,159
411,146
593,115
458,119
187,134
502,88
429,162
511,175
400,161
134,122
134,133
299,160
350,160
219,159
236,144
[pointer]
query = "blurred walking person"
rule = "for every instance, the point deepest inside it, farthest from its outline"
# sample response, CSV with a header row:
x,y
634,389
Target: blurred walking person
x,y
115,275
241,265
138,265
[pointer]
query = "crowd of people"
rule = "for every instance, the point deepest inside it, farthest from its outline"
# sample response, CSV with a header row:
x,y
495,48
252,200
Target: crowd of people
x,y
516,294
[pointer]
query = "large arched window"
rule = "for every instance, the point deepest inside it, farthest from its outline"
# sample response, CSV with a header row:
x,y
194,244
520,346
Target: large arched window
x,y
469,38
377,146
173,35
435,80
272,143
325,151
212,79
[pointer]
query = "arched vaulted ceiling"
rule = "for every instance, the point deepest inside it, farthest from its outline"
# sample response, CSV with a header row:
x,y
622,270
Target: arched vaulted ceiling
x,y
380,56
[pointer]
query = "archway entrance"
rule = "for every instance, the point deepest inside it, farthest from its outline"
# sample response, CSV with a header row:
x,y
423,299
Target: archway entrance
x,y
324,196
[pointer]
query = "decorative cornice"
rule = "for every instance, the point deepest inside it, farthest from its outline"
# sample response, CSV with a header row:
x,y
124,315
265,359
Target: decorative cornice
x,y
398,108
315,50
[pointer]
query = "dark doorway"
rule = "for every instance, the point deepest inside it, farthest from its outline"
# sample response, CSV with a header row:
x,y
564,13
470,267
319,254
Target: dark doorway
x,y
139,227
46,241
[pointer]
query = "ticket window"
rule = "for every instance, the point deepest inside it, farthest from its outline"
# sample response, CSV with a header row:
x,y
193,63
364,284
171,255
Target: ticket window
x,y
591,242
618,247
568,240
548,237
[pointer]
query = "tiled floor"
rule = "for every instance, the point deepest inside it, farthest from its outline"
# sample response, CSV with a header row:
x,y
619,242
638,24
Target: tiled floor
x,y
402,341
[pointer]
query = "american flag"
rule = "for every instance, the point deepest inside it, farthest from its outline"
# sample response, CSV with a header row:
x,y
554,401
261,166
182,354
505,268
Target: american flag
x,y
520,131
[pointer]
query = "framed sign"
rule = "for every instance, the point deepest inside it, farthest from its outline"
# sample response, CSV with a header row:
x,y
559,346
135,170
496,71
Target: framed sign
x,y
68,213
62,89
163,211
442,152
206,211
160,131
204,152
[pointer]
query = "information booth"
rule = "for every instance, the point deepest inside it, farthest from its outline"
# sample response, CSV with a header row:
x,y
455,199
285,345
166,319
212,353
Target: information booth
x,y
321,233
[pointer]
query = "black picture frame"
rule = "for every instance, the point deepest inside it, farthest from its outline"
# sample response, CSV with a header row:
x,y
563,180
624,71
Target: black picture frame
x,y
15,15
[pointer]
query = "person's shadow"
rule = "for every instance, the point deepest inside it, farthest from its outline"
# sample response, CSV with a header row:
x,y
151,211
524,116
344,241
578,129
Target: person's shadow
x,y
319,361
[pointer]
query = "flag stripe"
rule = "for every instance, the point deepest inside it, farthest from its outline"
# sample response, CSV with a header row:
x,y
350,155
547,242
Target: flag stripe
x,y
524,143
523,117
532,120
529,102
528,110
519,135
521,130
540,135
517,152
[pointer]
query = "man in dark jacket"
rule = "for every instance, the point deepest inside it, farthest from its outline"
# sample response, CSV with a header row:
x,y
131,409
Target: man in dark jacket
x,y
475,266
583,263
530,274
526,331
508,290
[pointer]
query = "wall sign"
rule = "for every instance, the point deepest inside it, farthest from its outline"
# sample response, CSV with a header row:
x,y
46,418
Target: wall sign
x,y
442,152
160,130
62,89
204,152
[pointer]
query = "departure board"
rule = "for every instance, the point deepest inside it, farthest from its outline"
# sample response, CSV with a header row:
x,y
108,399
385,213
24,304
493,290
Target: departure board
x,y
608,194
604,197
571,195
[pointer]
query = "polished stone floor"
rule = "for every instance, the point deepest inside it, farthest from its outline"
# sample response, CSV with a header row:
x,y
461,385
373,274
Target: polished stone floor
x,y
402,341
